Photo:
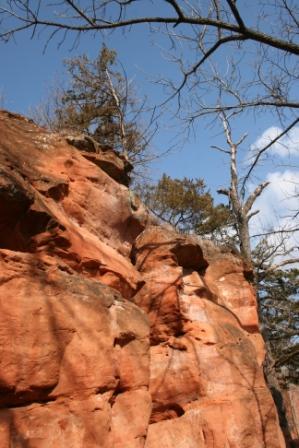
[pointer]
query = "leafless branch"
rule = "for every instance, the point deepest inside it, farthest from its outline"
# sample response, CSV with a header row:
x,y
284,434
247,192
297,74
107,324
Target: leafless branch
x,y
253,197
264,149
236,13
28,19
276,232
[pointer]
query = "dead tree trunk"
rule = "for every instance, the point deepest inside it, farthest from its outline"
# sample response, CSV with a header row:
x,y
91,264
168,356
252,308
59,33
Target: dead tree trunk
x,y
240,207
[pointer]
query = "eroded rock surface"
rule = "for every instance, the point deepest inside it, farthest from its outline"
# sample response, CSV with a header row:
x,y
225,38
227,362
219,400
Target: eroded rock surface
x,y
114,332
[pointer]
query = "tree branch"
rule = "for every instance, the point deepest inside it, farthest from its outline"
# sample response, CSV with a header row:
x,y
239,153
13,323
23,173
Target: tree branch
x,y
247,105
236,13
101,24
264,149
80,12
252,214
223,191
252,198
285,357
282,263
207,54
226,151
177,9
273,232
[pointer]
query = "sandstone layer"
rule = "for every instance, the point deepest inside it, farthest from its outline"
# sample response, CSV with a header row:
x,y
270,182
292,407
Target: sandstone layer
x,y
116,332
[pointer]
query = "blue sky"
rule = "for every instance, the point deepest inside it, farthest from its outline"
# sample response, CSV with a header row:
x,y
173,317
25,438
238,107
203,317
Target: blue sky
x,y
27,72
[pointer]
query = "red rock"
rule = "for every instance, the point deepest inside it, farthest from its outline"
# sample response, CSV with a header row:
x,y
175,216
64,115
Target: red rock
x,y
75,423
49,202
207,383
225,423
80,364
70,346
118,167
130,416
225,278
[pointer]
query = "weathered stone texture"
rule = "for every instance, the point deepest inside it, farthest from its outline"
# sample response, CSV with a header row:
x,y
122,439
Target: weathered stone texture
x,y
114,332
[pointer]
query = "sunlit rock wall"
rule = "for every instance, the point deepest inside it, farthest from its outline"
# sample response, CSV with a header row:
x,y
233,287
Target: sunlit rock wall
x,y
116,332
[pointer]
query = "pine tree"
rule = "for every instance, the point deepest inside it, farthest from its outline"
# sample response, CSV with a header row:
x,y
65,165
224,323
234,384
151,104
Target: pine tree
x,y
99,102
186,204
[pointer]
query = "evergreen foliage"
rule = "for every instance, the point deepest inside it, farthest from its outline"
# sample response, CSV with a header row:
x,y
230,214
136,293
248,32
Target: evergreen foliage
x,y
98,101
279,311
187,205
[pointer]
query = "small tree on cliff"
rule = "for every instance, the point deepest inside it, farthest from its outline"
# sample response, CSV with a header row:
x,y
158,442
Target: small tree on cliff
x,y
260,43
99,102
187,205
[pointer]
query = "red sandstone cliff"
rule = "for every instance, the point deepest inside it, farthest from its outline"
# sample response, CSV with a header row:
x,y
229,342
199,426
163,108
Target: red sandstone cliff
x,y
115,332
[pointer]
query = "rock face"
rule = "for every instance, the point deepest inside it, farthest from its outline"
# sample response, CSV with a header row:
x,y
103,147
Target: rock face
x,y
291,402
115,332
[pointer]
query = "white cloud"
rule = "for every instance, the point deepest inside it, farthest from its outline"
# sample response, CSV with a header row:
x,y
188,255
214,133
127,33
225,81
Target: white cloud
x,y
278,204
279,198
285,146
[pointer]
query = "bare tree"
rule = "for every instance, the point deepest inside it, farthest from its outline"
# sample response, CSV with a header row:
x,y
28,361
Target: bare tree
x,y
99,101
211,25
222,16
259,73
276,288
242,210
260,70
